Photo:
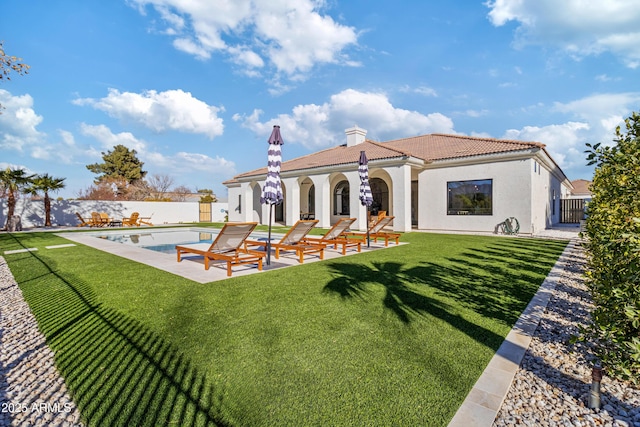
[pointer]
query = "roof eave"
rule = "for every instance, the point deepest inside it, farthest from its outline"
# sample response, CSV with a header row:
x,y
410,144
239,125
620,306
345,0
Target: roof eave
x,y
342,167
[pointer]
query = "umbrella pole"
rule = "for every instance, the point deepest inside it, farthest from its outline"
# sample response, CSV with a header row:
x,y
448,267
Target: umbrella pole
x,y
269,238
368,222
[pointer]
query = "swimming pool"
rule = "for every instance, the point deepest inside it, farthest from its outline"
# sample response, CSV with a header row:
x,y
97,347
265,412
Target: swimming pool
x,y
165,241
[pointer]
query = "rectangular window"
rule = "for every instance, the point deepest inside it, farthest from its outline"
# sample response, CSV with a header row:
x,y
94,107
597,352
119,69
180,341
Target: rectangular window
x,y
239,203
470,197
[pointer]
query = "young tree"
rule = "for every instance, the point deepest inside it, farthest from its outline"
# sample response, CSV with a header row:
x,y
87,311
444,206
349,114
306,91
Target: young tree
x,y
613,246
159,185
121,163
45,183
12,181
106,189
9,64
181,192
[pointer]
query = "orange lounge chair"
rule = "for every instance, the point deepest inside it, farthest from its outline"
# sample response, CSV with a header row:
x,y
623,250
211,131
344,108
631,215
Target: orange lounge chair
x,y
132,221
104,217
96,220
294,241
227,247
146,220
332,237
83,222
376,232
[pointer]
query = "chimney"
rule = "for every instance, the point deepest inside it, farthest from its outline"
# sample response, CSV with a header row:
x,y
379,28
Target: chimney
x,y
355,135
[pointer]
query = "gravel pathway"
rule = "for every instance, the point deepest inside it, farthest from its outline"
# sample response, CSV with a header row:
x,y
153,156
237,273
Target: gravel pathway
x,y
32,393
551,387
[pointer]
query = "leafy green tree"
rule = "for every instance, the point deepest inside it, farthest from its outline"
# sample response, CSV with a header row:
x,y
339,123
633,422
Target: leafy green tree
x,y
44,184
613,248
9,64
207,196
12,181
119,164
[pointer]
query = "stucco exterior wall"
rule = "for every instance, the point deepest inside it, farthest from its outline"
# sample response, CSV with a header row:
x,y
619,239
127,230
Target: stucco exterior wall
x,y
526,186
63,211
512,196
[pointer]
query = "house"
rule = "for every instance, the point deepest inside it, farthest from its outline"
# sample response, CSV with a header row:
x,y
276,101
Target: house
x,y
428,182
581,189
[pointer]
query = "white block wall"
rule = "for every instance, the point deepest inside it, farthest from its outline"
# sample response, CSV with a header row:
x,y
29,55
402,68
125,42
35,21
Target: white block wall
x,y
63,211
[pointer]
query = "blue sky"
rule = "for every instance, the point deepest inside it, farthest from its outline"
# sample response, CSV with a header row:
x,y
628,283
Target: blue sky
x,y
195,86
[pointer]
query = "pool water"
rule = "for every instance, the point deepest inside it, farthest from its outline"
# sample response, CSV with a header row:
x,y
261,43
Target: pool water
x,y
165,241
160,241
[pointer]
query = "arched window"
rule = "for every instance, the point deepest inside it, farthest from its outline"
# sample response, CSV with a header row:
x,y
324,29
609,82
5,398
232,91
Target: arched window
x,y
341,198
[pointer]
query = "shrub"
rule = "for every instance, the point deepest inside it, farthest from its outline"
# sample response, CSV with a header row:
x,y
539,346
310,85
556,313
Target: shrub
x,y
613,248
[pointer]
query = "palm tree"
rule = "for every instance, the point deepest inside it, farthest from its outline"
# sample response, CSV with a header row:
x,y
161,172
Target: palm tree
x,y
45,183
11,182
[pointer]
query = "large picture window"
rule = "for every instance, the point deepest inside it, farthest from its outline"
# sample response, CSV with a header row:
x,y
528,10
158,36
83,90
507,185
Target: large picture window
x,y
470,197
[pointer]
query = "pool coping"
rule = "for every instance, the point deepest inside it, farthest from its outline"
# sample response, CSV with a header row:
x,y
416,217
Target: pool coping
x,y
192,268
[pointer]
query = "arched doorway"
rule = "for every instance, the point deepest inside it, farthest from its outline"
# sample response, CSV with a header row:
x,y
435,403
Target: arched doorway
x,y
380,193
307,199
278,214
257,207
341,198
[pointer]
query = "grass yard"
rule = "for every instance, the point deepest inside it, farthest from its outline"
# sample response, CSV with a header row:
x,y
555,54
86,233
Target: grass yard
x,y
391,337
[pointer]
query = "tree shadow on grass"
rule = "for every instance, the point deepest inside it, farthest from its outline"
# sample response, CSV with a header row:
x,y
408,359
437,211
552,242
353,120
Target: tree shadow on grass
x,y
118,371
401,298
496,281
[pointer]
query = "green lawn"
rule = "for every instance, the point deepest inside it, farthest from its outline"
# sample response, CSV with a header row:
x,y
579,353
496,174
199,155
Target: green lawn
x,y
392,337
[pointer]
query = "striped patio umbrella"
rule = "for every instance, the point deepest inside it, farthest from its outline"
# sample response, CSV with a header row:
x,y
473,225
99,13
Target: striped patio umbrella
x,y
272,190
366,198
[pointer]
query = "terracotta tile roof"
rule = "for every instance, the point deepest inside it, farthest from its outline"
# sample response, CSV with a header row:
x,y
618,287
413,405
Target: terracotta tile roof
x,y
439,146
581,187
426,147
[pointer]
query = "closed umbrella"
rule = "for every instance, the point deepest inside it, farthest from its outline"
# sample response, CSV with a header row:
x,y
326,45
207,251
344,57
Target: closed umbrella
x,y
272,190
366,198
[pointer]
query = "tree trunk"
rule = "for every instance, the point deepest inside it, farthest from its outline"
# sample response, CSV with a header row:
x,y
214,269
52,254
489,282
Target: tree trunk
x,y
47,210
11,207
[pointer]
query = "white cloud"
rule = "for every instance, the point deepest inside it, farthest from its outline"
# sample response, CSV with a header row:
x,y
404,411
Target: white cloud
x,y
420,90
580,28
316,126
602,111
475,113
291,35
181,164
18,122
594,107
564,142
108,139
161,111
184,163
595,119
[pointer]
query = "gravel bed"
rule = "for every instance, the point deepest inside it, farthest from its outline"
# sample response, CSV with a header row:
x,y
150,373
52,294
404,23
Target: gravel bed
x,y
552,385
32,392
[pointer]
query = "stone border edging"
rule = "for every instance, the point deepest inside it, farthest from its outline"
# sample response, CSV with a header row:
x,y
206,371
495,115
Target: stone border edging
x,y
485,398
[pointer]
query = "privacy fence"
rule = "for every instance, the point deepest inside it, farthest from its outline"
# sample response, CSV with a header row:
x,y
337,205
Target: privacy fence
x,y
572,210
63,212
